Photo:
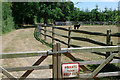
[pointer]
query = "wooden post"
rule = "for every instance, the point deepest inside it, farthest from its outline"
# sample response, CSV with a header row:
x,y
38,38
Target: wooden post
x,y
69,36
45,33
59,61
108,41
56,62
39,30
53,35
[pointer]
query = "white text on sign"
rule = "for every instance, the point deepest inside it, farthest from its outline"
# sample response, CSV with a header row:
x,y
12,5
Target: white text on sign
x,y
70,70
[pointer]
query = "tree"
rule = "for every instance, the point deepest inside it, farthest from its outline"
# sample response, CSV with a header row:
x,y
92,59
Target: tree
x,y
58,11
24,12
28,12
31,12
7,19
48,10
75,14
95,14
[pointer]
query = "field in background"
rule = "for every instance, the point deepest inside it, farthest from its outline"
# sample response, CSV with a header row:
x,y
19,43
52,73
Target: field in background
x,y
102,29
93,28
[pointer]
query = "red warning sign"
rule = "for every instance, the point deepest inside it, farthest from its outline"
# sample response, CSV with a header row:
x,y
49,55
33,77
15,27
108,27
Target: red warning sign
x,y
70,70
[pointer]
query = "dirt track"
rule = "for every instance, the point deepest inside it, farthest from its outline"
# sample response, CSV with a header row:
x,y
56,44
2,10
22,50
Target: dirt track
x,y
23,40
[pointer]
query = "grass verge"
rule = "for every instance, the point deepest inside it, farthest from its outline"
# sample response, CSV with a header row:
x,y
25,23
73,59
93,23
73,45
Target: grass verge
x,y
36,35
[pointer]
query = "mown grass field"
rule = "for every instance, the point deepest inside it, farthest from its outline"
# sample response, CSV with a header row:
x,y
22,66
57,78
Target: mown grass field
x,y
93,28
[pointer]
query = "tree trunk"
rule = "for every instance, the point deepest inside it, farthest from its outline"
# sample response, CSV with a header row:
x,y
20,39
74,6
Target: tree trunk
x,y
23,21
46,19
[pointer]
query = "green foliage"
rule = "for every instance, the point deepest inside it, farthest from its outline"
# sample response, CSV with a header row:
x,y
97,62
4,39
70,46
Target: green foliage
x,y
45,12
24,12
94,15
0,18
30,13
7,19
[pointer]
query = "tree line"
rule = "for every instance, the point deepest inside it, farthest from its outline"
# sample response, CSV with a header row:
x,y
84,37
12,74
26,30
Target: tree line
x,y
15,14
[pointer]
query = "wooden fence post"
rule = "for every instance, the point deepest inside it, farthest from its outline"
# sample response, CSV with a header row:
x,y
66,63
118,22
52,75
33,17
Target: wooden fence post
x,y
69,36
53,35
56,62
108,41
45,32
39,30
